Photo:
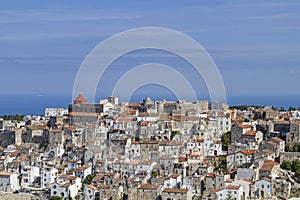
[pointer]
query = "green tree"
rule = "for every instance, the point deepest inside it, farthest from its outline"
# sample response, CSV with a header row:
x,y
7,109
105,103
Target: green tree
x,y
295,148
69,197
56,198
292,108
154,174
173,134
286,165
226,140
229,195
88,179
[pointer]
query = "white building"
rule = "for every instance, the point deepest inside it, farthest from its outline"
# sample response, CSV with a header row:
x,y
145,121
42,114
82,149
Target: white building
x,y
83,171
55,112
49,175
235,191
91,192
8,181
65,186
29,173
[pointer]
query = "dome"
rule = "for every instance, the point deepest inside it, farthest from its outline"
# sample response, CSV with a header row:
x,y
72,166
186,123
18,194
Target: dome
x,y
80,100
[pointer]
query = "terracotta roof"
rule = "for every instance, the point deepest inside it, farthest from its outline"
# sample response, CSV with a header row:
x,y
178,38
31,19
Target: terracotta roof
x,y
4,173
66,176
267,167
182,159
251,133
244,126
135,142
80,100
174,175
90,186
175,190
233,187
272,143
277,139
73,161
104,187
271,162
145,123
148,187
248,152
82,168
266,179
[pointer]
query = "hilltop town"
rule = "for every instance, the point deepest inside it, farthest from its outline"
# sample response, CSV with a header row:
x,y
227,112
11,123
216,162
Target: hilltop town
x,y
152,150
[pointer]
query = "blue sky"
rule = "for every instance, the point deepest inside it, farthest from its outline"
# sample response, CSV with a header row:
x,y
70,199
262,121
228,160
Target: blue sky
x,y
255,44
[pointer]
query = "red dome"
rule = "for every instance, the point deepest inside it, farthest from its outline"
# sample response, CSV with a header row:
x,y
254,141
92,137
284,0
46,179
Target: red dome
x,y
80,100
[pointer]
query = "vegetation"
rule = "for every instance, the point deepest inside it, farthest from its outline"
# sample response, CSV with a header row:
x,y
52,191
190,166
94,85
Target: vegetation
x,y
293,148
56,198
294,166
244,107
226,140
221,163
13,117
173,134
229,195
292,108
88,179
154,174
69,197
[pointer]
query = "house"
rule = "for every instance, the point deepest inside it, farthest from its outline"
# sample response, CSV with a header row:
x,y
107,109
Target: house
x,y
269,169
48,176
237,132
146,191
235,191
91,192
289,156
240,158
252,136
176,194
8,181
173,181
263,188
83,171
29,173
56,136
66,185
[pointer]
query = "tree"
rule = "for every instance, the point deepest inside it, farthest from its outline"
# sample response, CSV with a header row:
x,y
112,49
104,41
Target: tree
x,y
292,108
154,174
69,197
229,195
286,165
226,140
88,179
56,198
173,134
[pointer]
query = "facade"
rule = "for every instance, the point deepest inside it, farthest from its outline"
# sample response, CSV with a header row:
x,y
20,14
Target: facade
x,y
8,181
176,194
48,176
29,173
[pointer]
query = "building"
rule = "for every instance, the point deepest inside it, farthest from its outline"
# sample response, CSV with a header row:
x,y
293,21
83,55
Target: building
x,y
146,192
65,186
48,176
83,112
176,194
8,181
55,112
29,173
